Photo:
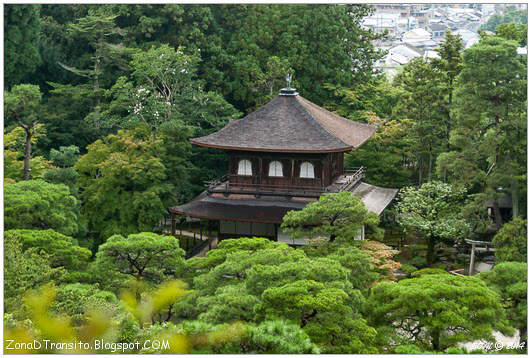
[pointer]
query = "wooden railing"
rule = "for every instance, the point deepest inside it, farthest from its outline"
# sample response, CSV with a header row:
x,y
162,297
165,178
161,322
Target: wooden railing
x,y
228,184
353,176
225,186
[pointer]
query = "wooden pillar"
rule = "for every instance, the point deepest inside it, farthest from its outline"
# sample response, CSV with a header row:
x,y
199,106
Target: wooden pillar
x,y
292,171
260,170
201,230
190,227
172,216
472,254
323,171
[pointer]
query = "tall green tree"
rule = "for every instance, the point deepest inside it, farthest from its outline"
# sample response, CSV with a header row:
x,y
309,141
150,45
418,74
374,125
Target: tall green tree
x,y
489,138
105,58
321,43
21,41
177,25
21,105
65,111
14,153
128,180
433,212
422,98
64,173
164,91
449,64
98,29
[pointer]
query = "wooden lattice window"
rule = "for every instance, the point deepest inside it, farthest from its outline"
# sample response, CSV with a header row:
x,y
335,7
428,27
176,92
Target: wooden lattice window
x,y
245,167
275,169
307,170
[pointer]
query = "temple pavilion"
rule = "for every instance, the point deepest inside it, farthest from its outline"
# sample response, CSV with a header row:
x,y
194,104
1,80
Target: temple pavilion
x,y
282,156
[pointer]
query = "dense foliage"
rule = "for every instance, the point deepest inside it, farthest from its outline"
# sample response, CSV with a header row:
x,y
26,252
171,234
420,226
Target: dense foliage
x,y
509,279
128,179
340,215
36,204
433,212
435,311
61,250
141,256
511,241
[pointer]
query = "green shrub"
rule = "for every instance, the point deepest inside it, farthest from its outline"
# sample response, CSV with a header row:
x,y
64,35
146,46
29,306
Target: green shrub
x,y
408,269
419,261
429,271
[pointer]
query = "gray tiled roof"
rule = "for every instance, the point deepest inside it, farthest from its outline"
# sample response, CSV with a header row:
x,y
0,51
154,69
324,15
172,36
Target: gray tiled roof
x,y
290,124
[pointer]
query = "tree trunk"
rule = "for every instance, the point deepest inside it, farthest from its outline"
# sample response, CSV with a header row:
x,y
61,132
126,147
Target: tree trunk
x,y
523,334
27,154
514,189
429,166
449,122
497,215
430,254
435,340
514,198
420,171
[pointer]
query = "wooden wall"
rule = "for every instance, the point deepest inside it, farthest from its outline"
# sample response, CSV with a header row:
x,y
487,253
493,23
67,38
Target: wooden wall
x,y
327,167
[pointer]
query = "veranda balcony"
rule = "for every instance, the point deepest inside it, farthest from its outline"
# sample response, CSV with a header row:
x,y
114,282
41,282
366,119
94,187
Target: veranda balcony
x,y
226,185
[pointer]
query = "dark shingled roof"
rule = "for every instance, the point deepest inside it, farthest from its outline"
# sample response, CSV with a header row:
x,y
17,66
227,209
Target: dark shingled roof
x,y
249,209
272,210
290,123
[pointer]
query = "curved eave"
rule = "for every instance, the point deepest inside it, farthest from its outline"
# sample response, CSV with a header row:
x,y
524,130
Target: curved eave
x,y
338,150
364,141
206,217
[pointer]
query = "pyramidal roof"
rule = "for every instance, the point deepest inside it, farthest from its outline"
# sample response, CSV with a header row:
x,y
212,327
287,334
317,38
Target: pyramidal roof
x,y
289,123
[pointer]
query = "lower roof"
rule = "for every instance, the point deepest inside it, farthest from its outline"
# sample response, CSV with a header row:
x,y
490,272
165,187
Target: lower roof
x,y
272,209
375,198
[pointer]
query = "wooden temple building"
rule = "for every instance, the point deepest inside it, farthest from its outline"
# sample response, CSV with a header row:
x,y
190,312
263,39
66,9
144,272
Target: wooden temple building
x,y
282,156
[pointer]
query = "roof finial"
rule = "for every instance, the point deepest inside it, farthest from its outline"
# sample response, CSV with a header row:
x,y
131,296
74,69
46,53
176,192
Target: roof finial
x,y
288,91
